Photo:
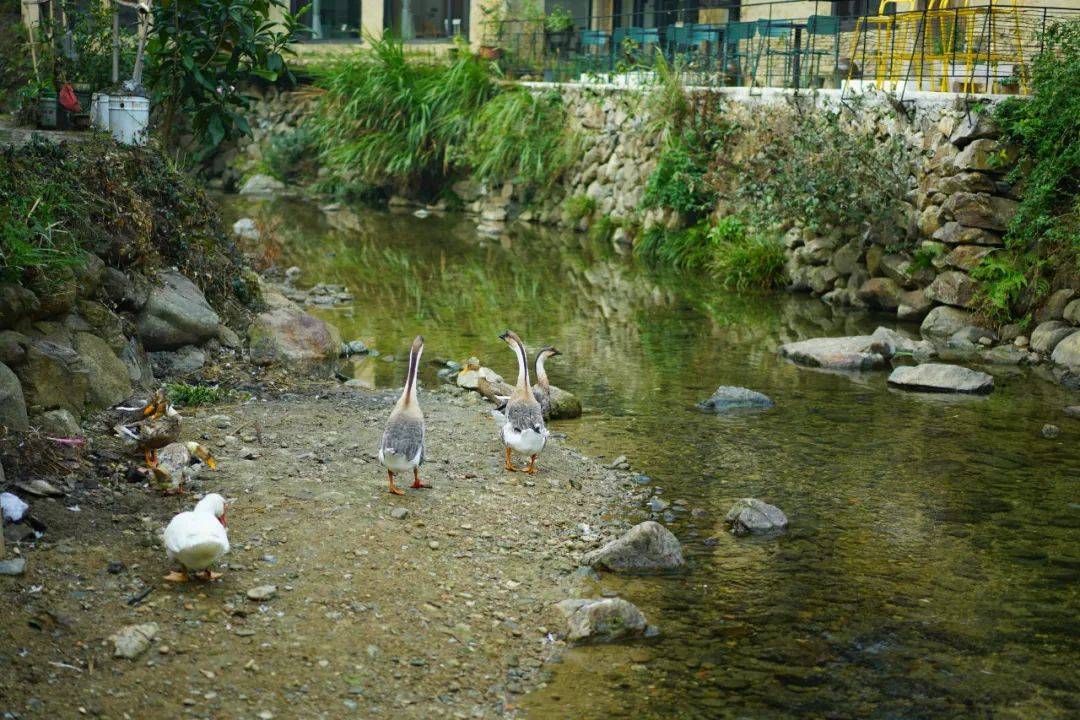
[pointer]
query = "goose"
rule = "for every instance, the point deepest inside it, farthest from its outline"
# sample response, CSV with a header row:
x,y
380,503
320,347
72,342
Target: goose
x,y
523,420
198,538
542,390
159,428
402,446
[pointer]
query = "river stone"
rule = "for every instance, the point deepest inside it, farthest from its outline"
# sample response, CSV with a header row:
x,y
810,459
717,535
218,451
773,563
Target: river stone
x,y
750,516
1072,411
880,292
973,126
564,405
986,155
846,258
245,229
897,267
913,305
287,336
981,210
89,275
841,353
952,288
176,314
127,292
56,292
1054,307
1047,335
648,546
16,304
59,423
967,257
1071,313
601,620
133,640
939,377
260,184
13,566
262,593
106,324
945,321
953,233
1005,355
54,376
184,361
108,381
1067,353
12,402
728,397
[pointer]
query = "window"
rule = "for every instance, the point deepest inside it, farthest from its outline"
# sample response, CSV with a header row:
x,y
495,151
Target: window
x,y
330,19
426,19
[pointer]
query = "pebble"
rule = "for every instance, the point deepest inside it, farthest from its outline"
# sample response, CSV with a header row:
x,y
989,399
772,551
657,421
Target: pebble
x,y
220,421
14,566
658,505
1050,431
41,488
399,513
115,567
262,592
618,462
433,544
133,640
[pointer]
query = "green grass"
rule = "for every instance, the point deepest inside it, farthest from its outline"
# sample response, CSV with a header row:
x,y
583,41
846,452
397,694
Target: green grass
x,y
578,207
191,395
602,229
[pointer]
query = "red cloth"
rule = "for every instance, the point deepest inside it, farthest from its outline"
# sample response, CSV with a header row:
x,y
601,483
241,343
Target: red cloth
x,y
68,101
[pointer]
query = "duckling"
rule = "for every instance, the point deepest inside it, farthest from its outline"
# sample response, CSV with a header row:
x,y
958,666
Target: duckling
x,y
542,390
523,427
160,428
175,463
198,538
402,446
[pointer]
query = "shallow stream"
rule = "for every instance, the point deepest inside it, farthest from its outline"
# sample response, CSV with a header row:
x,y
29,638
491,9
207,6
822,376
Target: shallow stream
x,y
932,564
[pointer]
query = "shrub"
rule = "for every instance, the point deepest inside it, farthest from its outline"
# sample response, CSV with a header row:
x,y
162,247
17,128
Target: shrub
x,y
579,206
292,155
602,229
522,137
685,248
190,395
678,182
745,261
1042,244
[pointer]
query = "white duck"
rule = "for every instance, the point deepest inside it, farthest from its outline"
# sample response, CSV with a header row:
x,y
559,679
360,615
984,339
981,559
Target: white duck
x,y
198,538
522,419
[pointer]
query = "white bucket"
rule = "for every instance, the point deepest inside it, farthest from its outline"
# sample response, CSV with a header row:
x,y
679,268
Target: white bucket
x,y
129,116
99,111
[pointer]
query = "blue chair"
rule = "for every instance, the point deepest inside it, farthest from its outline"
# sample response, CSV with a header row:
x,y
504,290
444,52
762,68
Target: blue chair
x,y
770,31
734,53
821,26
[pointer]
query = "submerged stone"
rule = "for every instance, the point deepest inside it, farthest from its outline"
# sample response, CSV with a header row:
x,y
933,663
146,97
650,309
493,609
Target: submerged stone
x,y
646,547
939,377
750,516
728,397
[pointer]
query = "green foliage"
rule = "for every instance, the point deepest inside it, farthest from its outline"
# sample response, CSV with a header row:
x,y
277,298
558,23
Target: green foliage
x,y
1042,245
15,67
292,155
559,20
387,120
745,261
191,395
577,207
522,137
924,256
202,52
90,58
687,248
678,182
602,229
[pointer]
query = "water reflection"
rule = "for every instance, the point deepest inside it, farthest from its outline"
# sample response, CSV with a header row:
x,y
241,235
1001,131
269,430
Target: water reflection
x,y
932,563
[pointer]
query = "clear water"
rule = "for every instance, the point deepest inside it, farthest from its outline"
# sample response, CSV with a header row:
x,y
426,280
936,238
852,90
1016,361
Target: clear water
x,y
931,568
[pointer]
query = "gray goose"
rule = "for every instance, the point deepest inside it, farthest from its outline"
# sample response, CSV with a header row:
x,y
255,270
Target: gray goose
x,y
523,420
402,446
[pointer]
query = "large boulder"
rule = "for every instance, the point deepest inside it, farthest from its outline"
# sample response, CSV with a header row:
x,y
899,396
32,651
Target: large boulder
x,y
750,516
646,547
728,397
973,126
939,377
108,376
914,305
176,314
953,233
12,402
1054,307
1067,353
967,257
944,322
880,292
986,155
287,336
564,405
137,363
16,304
603,620
1047,335
980,210
952,288
260,184
855,352
53,375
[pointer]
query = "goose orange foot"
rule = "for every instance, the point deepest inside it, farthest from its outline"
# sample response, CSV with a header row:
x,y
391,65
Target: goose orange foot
x,y
509,465
393,488
531,470
177,576
416,480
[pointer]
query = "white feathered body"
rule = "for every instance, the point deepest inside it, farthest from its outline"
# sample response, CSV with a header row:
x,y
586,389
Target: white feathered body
x,y
527,441
196,540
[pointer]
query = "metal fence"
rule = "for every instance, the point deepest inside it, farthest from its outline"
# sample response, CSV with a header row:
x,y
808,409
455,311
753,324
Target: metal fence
x,y
947,46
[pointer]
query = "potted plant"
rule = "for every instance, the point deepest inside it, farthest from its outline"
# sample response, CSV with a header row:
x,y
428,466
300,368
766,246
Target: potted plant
x,y
559,29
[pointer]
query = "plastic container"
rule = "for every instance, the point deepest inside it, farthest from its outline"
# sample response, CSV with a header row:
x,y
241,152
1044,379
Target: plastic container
x,y
99,111
129,116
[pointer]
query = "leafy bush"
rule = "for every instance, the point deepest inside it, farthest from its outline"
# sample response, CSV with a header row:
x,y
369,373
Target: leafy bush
x,y
678,182
191,395
389,121
522,137
292,155
559,20
1042,245
743,260
579,206
686,248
